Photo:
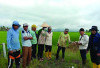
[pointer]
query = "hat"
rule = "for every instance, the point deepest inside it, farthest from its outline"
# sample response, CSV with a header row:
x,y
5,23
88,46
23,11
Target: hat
x,y
49,27
66,30
25,24
81,29
16,23
34,26
44,25
94,28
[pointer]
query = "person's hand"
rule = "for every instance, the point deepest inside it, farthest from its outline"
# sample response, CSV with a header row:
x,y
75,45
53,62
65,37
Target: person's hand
x,y
79,43
58,44
98,54
11,52
25,38
30,38
86,51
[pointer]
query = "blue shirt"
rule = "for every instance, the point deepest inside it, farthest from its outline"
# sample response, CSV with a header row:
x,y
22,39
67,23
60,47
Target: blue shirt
x,y
13,40
94,42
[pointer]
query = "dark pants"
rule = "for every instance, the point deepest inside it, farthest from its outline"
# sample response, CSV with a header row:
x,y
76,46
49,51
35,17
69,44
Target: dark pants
x,y
14,56
83,55
34,50
48,48
94,57
63,52
40,50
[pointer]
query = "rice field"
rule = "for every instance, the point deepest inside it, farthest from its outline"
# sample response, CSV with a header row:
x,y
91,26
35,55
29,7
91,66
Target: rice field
x,y
72,58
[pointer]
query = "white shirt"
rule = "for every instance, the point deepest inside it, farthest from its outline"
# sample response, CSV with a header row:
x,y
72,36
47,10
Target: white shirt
x,y
84,40
26,42
49,38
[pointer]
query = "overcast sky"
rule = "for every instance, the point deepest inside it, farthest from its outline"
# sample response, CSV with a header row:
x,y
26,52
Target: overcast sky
x,y
72,14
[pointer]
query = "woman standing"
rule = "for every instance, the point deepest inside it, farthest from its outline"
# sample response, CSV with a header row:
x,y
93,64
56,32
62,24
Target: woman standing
x,y
48,44
41,40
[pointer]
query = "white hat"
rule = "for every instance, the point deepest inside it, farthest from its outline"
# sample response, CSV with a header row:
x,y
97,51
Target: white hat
x,y
44,25
25,24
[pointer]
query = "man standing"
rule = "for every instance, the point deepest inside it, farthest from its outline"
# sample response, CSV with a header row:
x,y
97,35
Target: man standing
x,y
34,41
63,39
83,44
13,45
26,45
94,47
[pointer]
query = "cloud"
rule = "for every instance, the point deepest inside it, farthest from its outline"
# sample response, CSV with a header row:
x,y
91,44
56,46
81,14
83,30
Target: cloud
x,y
72,14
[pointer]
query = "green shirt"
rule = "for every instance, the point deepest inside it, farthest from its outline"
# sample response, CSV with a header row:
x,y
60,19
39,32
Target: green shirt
x,y
62,41
34,41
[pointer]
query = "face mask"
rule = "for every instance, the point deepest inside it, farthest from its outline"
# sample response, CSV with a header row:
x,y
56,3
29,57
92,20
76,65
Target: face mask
x,y
45,29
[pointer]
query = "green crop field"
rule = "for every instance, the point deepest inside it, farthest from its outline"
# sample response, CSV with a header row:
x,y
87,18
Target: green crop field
x,y
72,58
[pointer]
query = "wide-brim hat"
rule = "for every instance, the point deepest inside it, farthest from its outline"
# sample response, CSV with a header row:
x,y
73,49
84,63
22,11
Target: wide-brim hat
x,y
44,25
94,28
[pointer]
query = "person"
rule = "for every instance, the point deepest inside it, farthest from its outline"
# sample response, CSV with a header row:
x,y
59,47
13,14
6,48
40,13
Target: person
x,y
48,44
64,37
13,45
26,45
34,41
94,47
41,40
83,44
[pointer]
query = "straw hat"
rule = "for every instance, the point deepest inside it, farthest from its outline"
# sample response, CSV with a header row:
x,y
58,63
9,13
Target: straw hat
x,y
44,25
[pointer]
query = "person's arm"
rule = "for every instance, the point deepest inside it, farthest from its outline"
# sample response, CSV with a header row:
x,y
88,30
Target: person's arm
x,y
30,36
23,36
88,48
59,39
98,53
69,41
9,40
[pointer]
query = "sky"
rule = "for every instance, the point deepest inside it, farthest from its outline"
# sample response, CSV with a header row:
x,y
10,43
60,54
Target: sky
x,y
59,14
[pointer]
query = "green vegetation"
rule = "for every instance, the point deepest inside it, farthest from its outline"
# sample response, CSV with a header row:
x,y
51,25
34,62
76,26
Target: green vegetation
x,y
72,58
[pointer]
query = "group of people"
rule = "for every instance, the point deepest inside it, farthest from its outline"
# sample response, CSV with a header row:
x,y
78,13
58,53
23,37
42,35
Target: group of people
x,y
31,39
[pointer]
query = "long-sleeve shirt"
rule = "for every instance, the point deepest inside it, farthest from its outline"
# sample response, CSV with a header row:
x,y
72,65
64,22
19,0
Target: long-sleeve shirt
x,y
13,40
26,43
34,40
49,38
42,37
84,40
94,43
62,41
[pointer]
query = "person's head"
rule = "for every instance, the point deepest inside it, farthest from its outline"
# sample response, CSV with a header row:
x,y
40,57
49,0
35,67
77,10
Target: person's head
x,y
94,29
25,26
34,27
66,31
15,25
49,29
43,28
81,31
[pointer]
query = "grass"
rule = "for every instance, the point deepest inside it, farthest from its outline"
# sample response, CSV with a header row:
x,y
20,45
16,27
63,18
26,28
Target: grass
x,y
72,58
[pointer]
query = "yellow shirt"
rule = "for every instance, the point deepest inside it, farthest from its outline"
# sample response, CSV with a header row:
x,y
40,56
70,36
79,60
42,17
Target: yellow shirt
x,y
62,41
